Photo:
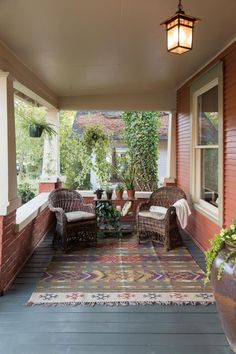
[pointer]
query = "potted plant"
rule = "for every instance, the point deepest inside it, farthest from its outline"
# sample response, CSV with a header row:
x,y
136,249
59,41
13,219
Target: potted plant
x,y
37,126
221,270
33,120
128,178
109,192
119,191
108,216
99,193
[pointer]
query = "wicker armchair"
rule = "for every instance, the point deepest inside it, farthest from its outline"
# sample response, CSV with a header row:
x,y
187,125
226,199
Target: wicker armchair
x,y
164,231
76,221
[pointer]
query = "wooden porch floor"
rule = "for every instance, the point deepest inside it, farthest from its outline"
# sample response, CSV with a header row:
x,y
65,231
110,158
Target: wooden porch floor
x,y
100,329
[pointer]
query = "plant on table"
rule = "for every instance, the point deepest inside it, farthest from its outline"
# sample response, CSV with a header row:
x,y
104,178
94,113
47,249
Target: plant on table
x,y
119,190
99,193
108,216
128,179
109,191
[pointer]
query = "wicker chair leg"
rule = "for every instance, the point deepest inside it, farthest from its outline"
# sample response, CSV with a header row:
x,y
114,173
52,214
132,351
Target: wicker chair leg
x,y
55,240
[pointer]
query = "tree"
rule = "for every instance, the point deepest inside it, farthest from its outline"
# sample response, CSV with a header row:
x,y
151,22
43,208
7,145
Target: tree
x,y
70,149
141,137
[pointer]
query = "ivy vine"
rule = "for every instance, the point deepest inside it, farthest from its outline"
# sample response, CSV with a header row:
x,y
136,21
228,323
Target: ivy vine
x,y
141,136
94,153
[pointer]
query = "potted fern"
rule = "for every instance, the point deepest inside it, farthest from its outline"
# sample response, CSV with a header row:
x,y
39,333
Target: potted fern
x,y
38,126
33,120
221,271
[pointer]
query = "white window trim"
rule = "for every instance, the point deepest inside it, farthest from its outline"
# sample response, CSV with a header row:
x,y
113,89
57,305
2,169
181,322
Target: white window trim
x,y
211,79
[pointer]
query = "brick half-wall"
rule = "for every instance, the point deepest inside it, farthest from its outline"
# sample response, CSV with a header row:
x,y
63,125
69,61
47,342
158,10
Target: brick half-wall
x,y
16,247
132,214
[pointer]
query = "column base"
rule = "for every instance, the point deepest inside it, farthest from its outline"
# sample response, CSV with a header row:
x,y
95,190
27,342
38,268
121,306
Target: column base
x,y
49,186
12,205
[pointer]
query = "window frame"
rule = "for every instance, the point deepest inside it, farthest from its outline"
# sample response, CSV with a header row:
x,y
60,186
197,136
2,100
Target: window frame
x,y
206,82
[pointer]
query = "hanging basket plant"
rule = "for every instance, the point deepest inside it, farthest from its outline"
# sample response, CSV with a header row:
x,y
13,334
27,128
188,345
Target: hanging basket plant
x,y
95,149
37,127
34,121
35,131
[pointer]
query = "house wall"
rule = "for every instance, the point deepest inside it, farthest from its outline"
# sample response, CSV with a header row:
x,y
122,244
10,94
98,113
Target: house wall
x,y
162,161
16,247
200,227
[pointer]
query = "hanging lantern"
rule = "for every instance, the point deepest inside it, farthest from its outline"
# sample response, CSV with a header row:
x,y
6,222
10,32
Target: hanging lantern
x,y
179,29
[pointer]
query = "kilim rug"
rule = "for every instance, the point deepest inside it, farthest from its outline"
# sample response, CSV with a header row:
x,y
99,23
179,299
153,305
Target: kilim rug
x,y
122,272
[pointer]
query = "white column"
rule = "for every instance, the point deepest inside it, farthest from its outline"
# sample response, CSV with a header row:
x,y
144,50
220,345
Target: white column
x,y
9,201
171,149
51,154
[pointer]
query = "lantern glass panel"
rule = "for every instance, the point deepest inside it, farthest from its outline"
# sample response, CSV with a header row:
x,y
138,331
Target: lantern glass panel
x,y
172,37
185,36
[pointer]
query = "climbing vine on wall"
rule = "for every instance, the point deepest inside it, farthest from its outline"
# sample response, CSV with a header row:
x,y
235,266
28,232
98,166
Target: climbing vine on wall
x,y
141,136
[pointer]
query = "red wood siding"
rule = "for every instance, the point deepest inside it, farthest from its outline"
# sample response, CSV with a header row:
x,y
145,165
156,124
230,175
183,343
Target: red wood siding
x,y
200,227
229,137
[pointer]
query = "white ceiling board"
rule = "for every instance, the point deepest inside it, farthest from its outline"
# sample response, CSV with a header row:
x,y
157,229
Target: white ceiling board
x,y
111,47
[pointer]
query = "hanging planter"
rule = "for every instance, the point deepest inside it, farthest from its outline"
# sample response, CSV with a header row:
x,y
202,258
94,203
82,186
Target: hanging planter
x,y
33,120
35,131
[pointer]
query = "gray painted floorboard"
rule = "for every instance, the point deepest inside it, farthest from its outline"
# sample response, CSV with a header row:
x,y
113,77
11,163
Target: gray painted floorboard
x,y
103,329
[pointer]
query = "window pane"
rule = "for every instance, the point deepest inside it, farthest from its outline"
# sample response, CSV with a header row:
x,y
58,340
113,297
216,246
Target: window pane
x,y
208,117
209,175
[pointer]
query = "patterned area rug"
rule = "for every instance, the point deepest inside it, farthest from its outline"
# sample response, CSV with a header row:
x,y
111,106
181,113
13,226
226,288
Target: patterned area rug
x,y
122,272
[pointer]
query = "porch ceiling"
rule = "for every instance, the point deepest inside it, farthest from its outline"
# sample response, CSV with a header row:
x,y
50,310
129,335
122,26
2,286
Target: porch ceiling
x,y
93,52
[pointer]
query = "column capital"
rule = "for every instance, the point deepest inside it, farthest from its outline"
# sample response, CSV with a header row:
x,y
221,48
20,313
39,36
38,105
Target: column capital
x,y
7,75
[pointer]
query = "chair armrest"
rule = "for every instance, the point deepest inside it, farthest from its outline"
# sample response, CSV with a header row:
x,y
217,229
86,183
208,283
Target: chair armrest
x,y
143,206
60,215
170,211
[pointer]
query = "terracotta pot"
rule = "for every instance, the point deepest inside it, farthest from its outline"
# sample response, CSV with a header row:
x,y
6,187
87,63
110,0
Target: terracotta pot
x,y
130,193
225,291
119,195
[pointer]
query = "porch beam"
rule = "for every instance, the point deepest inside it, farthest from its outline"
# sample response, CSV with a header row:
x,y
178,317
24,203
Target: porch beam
x,y
159,101
8,176
26,78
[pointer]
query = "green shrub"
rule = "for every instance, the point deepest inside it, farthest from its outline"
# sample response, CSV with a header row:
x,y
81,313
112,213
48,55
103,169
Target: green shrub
x,y
27,190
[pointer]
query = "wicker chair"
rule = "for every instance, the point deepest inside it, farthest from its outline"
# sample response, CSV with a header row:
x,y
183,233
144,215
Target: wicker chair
x,y
164,231
76,221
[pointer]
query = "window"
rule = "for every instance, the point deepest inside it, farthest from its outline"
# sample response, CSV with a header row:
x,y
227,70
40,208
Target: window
x,y
207,162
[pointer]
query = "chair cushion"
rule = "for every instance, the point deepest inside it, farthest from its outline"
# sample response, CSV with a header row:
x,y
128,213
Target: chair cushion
x,y
158,209
152,215
74,216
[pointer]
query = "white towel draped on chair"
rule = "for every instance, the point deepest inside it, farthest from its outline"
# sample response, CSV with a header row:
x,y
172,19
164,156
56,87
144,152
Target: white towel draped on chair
x,y
182,212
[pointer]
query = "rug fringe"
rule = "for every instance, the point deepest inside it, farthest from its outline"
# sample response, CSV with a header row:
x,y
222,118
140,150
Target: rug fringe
x,y
152,303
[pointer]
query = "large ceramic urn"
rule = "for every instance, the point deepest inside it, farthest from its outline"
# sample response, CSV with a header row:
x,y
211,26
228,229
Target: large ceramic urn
x,y
225,291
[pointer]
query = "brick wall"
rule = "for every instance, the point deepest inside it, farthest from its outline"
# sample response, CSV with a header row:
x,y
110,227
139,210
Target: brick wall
x,y
15,248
